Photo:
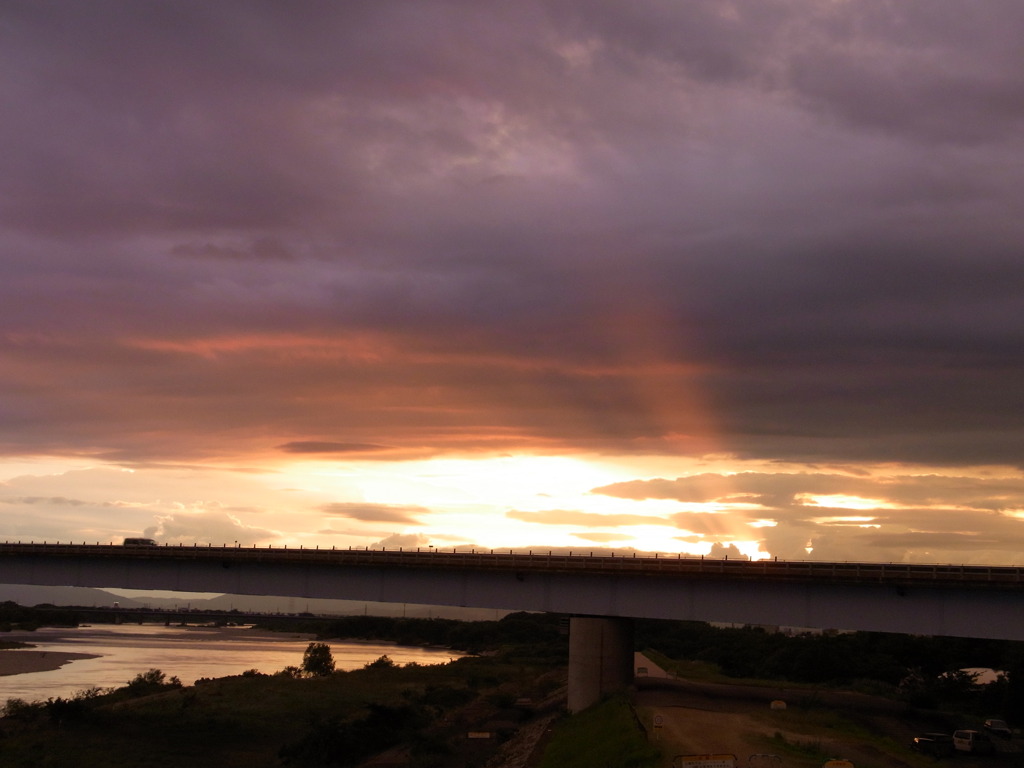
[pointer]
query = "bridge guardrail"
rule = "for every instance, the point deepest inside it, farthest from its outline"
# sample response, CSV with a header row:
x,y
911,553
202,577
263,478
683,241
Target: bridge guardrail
x,y
657,565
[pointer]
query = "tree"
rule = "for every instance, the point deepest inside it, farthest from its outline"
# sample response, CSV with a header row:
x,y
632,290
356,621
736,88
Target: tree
x,y
152,681
318,661
19,709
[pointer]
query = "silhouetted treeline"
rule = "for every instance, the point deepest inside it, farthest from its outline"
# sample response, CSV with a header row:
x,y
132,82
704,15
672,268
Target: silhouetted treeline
x,y
536,634
14,616
922,670
316,716
827,657
48,615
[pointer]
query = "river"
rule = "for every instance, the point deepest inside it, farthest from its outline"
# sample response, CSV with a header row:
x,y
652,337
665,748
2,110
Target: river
x,y
189,653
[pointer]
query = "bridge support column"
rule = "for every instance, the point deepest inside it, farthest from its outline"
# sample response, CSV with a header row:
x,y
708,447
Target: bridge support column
x,y
600,658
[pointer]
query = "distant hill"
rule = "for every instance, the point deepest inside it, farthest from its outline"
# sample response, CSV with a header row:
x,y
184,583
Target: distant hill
x,y
29,595
343,607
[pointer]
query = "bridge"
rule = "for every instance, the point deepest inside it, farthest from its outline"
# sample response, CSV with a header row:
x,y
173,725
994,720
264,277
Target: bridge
x,y
601,593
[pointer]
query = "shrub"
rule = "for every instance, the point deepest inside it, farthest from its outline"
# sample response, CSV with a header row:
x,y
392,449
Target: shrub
x,y
318,661
19,709
152,681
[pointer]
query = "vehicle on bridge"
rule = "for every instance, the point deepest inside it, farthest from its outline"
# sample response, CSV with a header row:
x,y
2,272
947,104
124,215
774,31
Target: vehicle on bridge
x,y
131,541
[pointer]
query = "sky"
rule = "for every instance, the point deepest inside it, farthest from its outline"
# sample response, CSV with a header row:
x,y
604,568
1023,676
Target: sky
x,y
722,277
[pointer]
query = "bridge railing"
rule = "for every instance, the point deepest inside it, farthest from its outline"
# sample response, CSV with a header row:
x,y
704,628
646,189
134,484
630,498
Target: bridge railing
x,y
537,562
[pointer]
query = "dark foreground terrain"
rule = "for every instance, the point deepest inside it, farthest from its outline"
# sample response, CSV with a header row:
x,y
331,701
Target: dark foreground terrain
x,y
860,697
426,714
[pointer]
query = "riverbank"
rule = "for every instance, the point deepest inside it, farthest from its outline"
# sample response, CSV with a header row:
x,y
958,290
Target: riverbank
x,y
70,660
18,662
21,661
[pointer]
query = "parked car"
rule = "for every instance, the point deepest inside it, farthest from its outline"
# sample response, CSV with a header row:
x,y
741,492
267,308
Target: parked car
x,y
934,744
973,742
998,728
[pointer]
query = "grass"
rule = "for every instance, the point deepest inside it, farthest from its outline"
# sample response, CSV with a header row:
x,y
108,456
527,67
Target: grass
x,y
246,720
701,671
797,747
804,731
603,736
707,672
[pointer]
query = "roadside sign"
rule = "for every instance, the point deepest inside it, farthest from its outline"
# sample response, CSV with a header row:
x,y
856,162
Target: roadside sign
x,y
659,721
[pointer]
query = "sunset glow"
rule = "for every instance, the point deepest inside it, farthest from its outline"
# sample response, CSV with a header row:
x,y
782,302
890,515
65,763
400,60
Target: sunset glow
x,y
629,277
841,501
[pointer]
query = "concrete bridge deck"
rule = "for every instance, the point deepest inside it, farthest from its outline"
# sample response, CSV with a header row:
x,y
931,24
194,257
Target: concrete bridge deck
x,y
602,594
762,571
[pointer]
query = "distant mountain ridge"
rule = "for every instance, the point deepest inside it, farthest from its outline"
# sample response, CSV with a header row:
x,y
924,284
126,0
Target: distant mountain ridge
x,y
30,595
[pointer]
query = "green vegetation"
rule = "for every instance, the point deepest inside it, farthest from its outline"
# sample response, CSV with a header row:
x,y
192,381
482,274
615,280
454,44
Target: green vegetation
x,y
302,716
704,671
921,671
607,734
806,735
536,634
258,720
796,749
318,661
312,715
17,617
149,682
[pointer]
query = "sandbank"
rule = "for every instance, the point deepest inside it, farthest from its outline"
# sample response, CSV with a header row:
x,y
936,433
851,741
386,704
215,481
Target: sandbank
x,y
16,662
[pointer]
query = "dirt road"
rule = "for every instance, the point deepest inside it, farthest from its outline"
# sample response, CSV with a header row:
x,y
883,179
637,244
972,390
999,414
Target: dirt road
x,y
690,718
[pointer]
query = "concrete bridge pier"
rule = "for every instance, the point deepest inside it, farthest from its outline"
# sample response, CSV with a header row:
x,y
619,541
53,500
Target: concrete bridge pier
x,y
600,658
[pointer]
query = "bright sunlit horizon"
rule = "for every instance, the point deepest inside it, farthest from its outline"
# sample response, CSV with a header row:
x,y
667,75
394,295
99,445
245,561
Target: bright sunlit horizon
x,y
570,503
537,275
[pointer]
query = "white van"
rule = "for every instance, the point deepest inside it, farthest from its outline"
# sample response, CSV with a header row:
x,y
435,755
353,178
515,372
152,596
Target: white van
x,y
975,742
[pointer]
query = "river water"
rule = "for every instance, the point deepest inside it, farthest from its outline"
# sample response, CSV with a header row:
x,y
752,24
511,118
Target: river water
x,y
189,653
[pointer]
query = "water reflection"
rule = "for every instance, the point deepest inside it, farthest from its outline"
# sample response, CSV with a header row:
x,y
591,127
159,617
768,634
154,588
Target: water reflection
x,y
188,653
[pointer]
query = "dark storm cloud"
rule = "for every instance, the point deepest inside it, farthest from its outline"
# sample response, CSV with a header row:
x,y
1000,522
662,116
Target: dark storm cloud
x,y
777,229
263,248
938,57
933,70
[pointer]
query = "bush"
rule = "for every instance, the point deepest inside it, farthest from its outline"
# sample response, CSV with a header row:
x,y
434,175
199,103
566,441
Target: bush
x,y
19,709
318,661
334,743
152,681
62,711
